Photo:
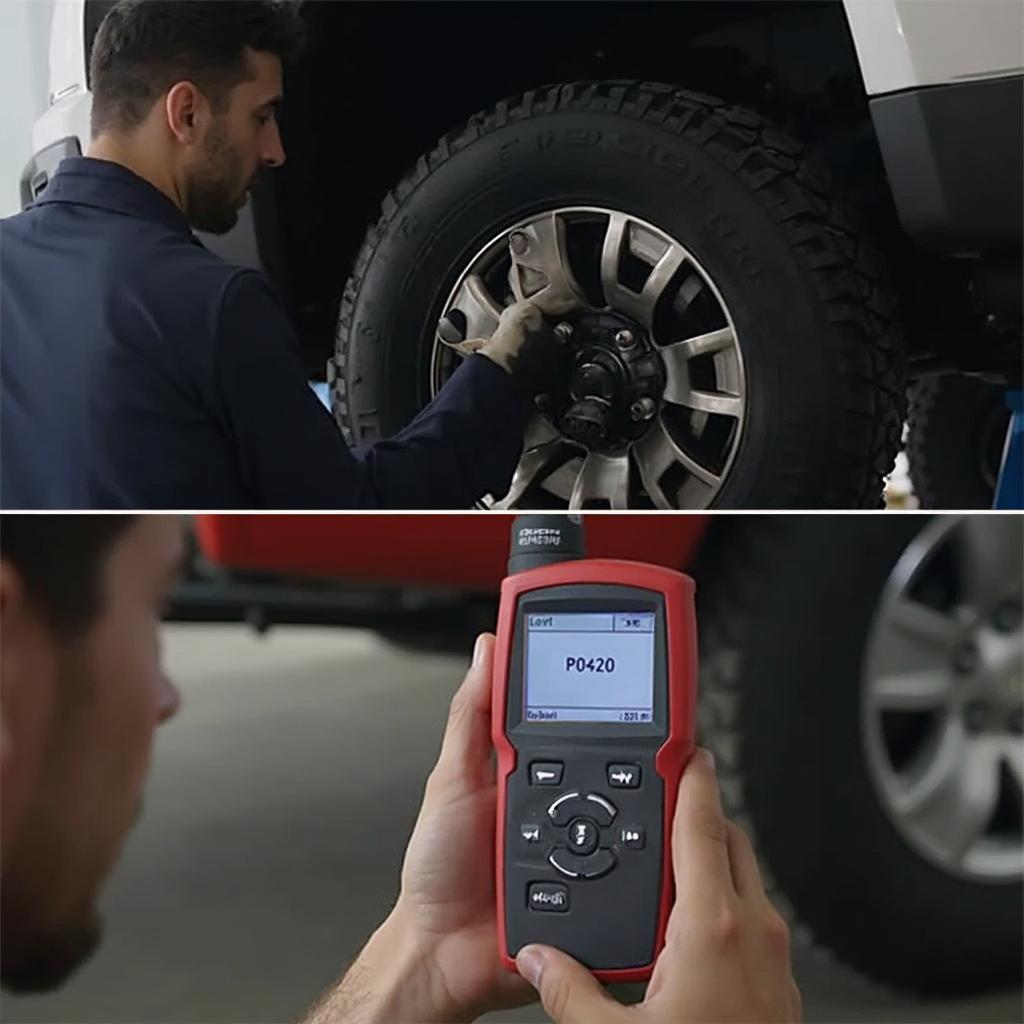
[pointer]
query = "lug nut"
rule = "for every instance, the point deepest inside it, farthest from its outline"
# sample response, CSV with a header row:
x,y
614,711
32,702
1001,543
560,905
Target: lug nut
x,y
518,243
977,715
965,660
564,331
624,339
542,402
1006,617
642,409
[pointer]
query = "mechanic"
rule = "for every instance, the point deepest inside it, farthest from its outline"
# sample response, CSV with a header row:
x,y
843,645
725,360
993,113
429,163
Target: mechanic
x,y
139,370
81,692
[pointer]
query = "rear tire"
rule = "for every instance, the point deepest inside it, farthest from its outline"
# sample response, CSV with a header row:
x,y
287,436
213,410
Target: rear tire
x,y
956,433
785,615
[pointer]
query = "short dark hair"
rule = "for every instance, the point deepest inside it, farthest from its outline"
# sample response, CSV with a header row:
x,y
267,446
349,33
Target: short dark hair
x,y
144,46
61,559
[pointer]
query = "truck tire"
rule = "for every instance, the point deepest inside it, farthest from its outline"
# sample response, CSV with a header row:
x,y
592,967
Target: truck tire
x,y
786,609
812,316
956,431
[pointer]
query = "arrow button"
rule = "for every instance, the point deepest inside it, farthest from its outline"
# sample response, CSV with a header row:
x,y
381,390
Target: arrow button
x,y
546,773
624,776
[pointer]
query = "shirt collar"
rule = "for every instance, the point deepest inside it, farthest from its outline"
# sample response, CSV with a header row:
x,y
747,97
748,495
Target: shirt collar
x,y
87,181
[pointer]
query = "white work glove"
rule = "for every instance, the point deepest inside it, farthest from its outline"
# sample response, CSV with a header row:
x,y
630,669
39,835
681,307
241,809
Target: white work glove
x,y
523,343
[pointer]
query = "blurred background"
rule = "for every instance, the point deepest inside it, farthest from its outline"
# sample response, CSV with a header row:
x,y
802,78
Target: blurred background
x,y
861,686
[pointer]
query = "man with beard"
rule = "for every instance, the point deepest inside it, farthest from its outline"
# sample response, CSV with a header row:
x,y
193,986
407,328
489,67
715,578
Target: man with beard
x,y
139,370
82,691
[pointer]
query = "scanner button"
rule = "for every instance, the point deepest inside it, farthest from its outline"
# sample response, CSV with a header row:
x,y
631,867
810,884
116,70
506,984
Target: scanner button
x,y
632,837
582,836
548,897
572,866
530,832
624,776
546,773
573,805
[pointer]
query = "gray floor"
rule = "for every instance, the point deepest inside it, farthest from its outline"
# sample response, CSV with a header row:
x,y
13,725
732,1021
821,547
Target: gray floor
x,y
275,820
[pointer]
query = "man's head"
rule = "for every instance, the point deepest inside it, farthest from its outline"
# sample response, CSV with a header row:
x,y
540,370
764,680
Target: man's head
x,y
81,692
195,85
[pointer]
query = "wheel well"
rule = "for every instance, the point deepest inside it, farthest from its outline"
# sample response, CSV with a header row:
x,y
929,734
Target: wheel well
x,y
380,83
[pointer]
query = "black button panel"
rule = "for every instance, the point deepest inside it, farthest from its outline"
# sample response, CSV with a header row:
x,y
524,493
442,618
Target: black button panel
x,y
584,851
548,897
546,773
624,776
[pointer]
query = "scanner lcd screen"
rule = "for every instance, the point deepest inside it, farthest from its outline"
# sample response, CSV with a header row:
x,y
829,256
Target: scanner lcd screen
x,y
589,667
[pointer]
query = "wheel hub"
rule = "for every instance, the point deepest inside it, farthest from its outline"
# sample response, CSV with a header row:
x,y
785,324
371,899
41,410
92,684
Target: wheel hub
x,y
615,383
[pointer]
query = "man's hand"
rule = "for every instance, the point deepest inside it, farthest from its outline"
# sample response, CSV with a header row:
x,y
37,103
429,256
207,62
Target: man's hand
x,y
436,956
523,343
726,955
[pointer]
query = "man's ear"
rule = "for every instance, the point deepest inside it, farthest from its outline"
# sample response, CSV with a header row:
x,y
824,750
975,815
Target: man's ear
x,y
181,108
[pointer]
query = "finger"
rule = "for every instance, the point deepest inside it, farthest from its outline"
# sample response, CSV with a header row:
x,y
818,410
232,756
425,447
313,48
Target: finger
x,y
700,834
746,874
796,1003
467,347
466,747
568,992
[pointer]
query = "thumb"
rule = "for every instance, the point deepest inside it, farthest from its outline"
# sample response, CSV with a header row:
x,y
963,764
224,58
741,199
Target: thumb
x,y
568,991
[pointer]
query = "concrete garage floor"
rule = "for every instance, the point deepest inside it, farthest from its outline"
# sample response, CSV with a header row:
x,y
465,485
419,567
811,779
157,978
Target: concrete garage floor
x,y
275,820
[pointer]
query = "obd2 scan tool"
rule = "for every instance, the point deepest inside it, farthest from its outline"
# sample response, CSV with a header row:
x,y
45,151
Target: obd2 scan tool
x,y
594,693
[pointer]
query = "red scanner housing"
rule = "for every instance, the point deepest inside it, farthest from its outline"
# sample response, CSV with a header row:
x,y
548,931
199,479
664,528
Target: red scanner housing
x,y
677,591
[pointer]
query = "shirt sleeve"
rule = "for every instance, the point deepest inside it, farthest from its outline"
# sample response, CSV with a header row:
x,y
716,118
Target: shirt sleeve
x,y
291,454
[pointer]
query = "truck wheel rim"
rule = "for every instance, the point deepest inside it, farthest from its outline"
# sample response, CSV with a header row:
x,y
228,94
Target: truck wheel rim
x,y
942,695
676,403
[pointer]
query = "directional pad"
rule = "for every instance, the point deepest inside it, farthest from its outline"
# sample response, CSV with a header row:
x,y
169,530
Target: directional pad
x,y
575,805
572,866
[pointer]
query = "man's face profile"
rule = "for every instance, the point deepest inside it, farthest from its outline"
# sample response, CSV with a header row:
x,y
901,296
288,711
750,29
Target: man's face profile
x,y
79,713
237,144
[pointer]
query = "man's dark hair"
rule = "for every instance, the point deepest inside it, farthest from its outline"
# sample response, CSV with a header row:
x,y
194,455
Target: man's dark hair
x,y
144,46
61,560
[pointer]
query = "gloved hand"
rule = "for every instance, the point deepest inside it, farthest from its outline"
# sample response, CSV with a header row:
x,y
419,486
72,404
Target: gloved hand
x,y
524,343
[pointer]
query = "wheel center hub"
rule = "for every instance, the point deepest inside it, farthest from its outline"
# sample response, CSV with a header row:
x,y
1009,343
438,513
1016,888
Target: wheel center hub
x,y
614,386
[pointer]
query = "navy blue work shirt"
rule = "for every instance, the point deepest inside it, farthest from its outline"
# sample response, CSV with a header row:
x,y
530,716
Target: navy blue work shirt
x,y
139,370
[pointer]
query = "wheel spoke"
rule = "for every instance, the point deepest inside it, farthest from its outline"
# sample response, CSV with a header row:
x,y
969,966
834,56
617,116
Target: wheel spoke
x,y
953,800
655,452
709,401
931,629
534,465
480,309
679,353
991,549
911,691
611,256
913,651
638,305
658,280
545,264
602,478
1013,758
